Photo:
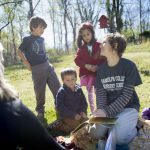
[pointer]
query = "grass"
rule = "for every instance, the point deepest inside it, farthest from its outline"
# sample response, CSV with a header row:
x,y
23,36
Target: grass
x,y
21,79
143,47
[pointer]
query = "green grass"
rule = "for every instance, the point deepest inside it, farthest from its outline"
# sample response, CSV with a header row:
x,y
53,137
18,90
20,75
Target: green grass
x,y
143,47
21,79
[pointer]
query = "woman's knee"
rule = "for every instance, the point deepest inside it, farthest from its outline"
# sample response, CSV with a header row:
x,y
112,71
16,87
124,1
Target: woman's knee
x,y
125,137
97,131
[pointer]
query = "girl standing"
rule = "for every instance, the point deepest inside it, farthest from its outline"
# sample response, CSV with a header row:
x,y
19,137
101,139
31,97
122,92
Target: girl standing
x,y
88,59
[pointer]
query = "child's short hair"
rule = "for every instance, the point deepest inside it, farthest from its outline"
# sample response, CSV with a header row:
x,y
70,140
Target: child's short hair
x,y
35,21
68,71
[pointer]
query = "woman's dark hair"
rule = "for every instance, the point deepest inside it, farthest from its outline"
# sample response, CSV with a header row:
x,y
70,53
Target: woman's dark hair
x,y
118,42
68,71
88,26
35,21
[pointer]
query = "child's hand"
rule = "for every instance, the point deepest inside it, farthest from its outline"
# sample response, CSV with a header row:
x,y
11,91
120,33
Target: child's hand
x,y
27,65
83,115
77,117
88,66
94,68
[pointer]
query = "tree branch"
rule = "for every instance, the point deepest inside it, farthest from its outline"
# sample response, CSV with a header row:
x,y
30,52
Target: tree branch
x,y
2,4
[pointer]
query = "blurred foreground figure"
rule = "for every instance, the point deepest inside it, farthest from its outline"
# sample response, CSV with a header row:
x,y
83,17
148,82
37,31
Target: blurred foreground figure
x,y
19,127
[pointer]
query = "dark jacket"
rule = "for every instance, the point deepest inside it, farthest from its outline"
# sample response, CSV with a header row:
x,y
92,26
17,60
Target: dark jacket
x,y
20,128
69,103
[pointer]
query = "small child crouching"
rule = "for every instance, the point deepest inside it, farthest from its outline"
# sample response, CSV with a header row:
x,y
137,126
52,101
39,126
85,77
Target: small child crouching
x,y
71,105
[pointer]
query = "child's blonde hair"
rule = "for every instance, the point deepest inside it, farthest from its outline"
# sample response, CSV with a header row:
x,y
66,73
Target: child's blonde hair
x,y
7,92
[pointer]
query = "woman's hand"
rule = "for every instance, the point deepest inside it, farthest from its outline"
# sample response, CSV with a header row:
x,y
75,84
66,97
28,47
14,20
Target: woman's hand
x,y
99,113
83,115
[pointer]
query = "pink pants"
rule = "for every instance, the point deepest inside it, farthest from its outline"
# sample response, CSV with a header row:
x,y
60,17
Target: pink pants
x,y
88,81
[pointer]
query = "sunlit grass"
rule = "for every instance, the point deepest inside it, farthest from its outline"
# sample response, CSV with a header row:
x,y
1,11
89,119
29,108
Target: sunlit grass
x,y
143,47
21,78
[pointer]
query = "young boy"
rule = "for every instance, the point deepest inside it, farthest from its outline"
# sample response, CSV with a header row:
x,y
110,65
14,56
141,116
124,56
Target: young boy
x,y
71,104
32,52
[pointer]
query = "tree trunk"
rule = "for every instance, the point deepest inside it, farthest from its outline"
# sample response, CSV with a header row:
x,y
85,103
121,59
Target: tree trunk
x,y
66,34
13,39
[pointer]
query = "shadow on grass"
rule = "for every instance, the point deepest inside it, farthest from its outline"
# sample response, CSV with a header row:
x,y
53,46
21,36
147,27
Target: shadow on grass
x,y
15,67
55,133
19,65
145,72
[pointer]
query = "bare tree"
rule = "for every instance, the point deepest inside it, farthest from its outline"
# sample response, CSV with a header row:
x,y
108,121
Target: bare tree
x,y
13,2
130,19
8,13
140,12
52,13
60,34
64,5
115,12
32,8
118,14
13,39
89,10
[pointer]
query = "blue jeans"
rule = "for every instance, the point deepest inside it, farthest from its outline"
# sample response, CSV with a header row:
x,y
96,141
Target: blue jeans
x,y
122,132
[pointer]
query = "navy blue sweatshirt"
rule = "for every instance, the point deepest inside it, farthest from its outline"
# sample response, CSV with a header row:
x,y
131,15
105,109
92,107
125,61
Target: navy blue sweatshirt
x,y
69,103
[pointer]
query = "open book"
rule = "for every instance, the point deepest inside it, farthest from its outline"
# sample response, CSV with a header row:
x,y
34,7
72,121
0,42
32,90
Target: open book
x,y
100,120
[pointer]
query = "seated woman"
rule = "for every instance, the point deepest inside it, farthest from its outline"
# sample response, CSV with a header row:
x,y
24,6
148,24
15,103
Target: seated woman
x,y
19,127
115,92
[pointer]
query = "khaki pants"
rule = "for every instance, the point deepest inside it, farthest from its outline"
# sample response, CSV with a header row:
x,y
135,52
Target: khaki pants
x,y
66,125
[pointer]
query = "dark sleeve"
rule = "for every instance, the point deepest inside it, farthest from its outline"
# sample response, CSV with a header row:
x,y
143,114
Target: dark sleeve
x,y
32,133
78,59
101,99
101,96
84,105
24,44
63,110
132,75
119,104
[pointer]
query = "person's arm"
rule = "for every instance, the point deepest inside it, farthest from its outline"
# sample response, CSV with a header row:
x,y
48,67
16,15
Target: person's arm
x,y
132,78
120,102
101,98
60,105
23,58
78,59
84,105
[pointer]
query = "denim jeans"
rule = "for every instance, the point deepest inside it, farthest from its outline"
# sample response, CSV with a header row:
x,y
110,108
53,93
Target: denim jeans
x,y
122,132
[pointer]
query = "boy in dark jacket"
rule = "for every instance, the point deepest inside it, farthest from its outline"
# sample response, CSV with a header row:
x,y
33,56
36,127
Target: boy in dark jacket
x,y
71,104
